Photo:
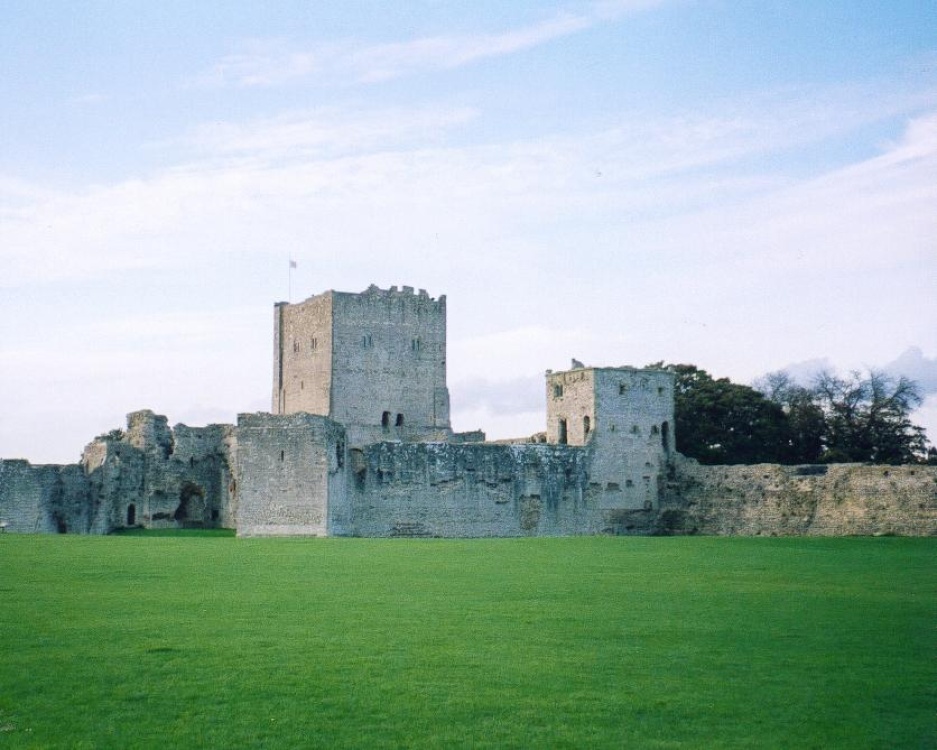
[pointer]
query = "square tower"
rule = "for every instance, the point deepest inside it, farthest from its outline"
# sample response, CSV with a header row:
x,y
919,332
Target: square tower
x,y
625,416
375,362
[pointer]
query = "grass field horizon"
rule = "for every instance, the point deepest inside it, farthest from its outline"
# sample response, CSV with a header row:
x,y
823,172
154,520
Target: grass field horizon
x,y
210,641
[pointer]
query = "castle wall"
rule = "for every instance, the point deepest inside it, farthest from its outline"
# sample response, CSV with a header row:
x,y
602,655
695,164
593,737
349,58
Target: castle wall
x,y
626,416
375,361
389,369
115,471
289,468
475,490
825,500
303,356
156,477
26,494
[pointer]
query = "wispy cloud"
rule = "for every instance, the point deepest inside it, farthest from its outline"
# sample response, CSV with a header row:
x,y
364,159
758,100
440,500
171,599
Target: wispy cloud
x,y
274,62
258,183
268,62
387,61
328,132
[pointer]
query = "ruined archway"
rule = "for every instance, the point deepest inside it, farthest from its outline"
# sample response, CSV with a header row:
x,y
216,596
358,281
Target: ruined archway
x,y
191,510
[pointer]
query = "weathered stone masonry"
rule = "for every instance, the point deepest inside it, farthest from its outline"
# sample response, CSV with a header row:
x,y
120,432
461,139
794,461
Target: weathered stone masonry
x,y
149,475
359,444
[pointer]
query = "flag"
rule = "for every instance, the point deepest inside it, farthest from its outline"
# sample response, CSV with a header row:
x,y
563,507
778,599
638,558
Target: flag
x,y
292,263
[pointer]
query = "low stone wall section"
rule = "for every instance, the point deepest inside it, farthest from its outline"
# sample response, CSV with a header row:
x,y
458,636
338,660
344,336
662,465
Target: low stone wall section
x,y
821,500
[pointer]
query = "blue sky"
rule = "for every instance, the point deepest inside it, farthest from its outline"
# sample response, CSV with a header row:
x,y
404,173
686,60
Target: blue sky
x,y
745,186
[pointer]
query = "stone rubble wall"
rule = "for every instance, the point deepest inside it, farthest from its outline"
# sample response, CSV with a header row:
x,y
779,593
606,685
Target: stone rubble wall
x,y
476,490
149,476
321,486
26,496
822,500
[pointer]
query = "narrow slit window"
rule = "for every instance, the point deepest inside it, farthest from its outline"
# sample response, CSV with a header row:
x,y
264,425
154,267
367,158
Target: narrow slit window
x,y
399,422
385,420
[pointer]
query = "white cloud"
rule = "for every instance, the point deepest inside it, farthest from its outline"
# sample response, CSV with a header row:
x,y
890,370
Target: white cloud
x,y
387,61
266,62
307,178
913,364
328,132
274,62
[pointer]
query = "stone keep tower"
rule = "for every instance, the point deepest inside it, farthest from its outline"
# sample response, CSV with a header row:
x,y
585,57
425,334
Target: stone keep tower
x,y
625,415
375,362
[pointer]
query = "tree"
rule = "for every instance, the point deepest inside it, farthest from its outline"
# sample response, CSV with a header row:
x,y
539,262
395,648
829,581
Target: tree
x,y
720,422
805,423
868,418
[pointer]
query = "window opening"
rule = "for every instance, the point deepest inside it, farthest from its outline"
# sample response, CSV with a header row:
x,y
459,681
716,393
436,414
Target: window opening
x,y
665,437
561,437
385,420
586,426
622,389
366,341
131,514
557,391
399,422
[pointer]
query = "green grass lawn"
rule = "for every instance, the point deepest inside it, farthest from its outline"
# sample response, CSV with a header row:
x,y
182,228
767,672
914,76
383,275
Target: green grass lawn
x,y
210,641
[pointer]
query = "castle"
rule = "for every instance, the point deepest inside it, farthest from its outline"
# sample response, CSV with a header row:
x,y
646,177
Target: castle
x,y
359,443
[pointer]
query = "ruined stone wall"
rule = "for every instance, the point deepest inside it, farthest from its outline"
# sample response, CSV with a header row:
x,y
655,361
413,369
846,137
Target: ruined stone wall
x,y
44,499
148,476
26,493
833,500
205,458
114,470
157,477
289,467
476,490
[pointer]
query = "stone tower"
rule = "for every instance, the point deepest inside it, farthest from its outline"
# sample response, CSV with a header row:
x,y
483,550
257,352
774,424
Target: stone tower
x,y
625,415
374,362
